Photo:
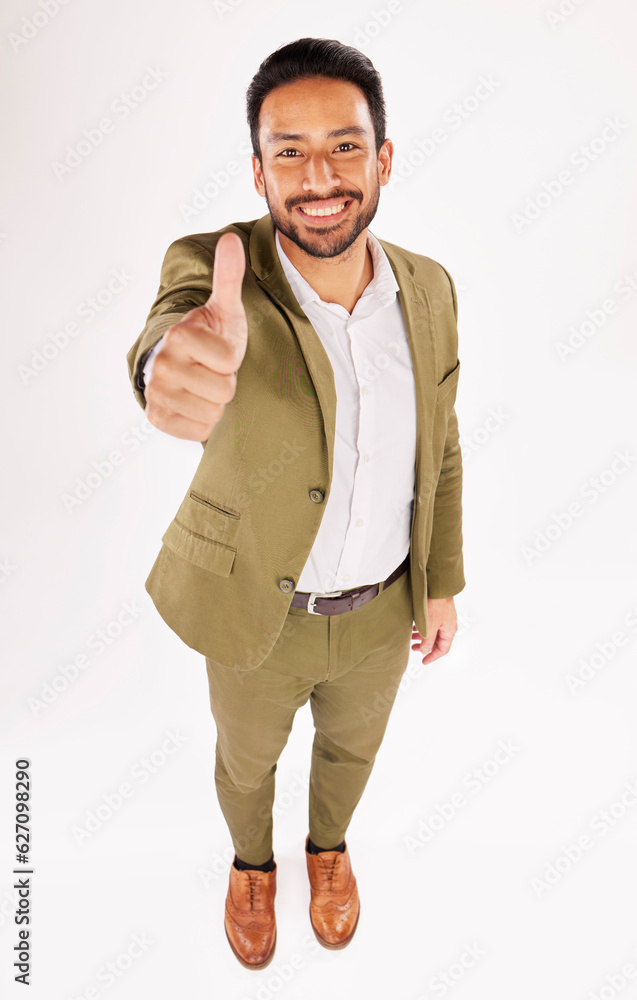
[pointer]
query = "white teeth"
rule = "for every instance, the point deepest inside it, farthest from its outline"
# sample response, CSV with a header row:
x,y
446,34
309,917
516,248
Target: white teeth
x,y
324,211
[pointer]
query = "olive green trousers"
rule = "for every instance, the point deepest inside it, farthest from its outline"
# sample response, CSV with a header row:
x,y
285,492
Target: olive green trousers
x,y
349,666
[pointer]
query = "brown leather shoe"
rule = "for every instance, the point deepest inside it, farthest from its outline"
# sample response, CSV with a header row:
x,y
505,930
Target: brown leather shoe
x,y
334,906
249,919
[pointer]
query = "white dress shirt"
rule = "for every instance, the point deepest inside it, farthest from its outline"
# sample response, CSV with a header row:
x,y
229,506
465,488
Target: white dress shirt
x,y
365,530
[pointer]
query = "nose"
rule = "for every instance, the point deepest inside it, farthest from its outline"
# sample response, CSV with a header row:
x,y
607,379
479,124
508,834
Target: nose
x,y
320,174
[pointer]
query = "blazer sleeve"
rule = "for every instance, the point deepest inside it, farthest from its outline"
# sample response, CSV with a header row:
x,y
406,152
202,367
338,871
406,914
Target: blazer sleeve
x,y
185,283
445,564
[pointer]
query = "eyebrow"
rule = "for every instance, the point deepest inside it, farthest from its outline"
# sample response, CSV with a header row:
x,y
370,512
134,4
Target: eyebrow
x,y
334,133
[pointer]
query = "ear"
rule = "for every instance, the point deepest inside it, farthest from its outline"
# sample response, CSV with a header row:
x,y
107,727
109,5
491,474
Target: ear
x,y
385,155
258,176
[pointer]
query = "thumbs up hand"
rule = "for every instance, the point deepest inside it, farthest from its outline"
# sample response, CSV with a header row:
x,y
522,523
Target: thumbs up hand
x,y
195,372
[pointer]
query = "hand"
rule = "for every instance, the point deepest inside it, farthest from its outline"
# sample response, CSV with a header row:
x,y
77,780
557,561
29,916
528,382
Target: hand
x,y
195,371
443,625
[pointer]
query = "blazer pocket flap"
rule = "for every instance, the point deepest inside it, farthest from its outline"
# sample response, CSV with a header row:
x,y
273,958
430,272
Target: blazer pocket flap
x,y
198,549
205,516
449,382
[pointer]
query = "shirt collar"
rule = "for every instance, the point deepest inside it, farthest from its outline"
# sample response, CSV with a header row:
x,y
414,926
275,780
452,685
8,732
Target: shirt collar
x,y
382,287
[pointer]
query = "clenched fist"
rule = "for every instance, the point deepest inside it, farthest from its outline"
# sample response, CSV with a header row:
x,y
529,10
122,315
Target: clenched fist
x,y
194,372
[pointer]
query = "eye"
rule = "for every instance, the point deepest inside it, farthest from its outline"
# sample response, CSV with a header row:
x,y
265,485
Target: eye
x,y
287,151
346,144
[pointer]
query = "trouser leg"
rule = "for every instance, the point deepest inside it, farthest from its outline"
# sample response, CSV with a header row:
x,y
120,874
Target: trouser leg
x,y
253,713
368,656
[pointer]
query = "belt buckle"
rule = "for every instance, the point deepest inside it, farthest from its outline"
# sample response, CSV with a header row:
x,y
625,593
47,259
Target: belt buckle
x,y
312,598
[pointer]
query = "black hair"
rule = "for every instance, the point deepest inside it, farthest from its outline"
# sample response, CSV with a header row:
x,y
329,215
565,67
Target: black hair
x,y
307,57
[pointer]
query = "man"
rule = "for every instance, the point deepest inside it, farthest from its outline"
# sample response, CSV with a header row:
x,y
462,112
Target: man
x,y
318,367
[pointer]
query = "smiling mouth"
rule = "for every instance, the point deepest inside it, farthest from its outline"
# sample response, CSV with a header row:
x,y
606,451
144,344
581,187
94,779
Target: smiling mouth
x,y
329,211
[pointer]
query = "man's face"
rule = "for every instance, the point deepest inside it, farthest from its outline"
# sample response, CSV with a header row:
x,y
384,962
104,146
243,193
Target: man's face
x,y
318,152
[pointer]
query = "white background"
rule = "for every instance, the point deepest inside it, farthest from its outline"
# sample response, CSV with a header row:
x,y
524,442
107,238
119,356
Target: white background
x,y
531,615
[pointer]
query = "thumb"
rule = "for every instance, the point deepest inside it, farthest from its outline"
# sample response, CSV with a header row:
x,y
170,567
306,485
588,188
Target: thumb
x,y
227,275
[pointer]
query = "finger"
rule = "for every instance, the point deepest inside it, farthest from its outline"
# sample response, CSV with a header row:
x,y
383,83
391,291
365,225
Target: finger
x,y
190,343
183,414
439,648
227,275
180,427
444,642
191,389
434,655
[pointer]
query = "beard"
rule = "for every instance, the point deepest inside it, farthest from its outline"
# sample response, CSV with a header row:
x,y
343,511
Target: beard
x,y
326,241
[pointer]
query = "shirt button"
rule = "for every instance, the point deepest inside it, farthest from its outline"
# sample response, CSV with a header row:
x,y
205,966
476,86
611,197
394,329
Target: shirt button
x,y
364,390
345,577
366,457
360,523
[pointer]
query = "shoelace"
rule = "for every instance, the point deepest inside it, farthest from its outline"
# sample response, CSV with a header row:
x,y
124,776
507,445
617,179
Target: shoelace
x,y
328,868
255,885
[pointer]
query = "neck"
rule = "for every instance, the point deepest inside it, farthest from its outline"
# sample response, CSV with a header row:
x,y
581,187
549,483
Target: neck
x,y
341,279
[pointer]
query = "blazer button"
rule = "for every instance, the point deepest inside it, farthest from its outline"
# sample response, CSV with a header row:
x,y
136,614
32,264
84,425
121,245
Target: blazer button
x,y
286,586
317,496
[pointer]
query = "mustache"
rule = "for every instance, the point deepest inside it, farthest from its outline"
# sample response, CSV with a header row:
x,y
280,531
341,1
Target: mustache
x,y
293,202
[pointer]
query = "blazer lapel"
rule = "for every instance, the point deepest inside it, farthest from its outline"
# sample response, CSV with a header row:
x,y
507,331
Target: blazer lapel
x,y
420,332
270,276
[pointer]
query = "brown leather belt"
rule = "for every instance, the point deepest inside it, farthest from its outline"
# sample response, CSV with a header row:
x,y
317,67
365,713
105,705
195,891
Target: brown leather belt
x,y
345,600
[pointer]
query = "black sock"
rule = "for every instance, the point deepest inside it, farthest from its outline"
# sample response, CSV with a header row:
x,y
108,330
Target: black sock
x,y
267,866
313,849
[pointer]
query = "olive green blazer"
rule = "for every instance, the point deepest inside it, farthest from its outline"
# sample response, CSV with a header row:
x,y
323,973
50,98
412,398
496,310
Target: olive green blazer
x,y
231,557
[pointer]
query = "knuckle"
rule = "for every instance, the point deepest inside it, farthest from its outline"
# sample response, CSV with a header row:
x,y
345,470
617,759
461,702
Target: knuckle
x,y
152,394
230,387
154,416
161,367
176,334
